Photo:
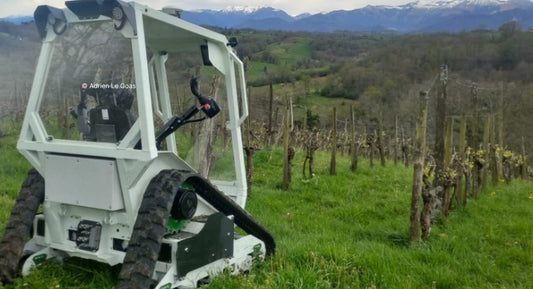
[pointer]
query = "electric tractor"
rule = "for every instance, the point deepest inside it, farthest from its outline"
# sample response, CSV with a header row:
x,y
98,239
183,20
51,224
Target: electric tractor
x,y
134,162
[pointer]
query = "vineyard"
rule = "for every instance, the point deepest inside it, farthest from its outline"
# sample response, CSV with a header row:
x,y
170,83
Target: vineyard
x,y
350,230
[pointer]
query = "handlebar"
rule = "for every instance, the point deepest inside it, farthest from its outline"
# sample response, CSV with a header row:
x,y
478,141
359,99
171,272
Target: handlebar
x,y
175,123
207,105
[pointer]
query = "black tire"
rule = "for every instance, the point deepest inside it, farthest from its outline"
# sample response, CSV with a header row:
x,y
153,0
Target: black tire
x,y
148,231
18,227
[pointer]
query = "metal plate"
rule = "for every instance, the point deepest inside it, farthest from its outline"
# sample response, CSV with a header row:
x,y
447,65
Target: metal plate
x,y
214,242
83,182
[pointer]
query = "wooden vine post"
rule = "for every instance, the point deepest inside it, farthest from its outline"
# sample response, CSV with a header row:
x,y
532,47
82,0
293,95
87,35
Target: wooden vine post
x,y
249,147
448,142
485,169
305,140
440,126
354,146
467,172
460,164
333,163
381,147
395,142
311,144
249,150
475,141
448,178
205,138
493,151
523,165
419,158
405,150
370,142
270,130
499,152
286,152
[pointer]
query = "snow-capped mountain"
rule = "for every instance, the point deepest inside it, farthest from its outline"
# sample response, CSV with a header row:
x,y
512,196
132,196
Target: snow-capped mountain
x,y
417,16
232,17
448,4
243,9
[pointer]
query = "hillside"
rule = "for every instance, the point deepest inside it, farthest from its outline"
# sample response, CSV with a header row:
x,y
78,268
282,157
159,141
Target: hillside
x,y
379,73
383,73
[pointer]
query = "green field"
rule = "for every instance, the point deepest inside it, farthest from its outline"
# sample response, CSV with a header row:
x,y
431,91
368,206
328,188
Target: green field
x,y
344,231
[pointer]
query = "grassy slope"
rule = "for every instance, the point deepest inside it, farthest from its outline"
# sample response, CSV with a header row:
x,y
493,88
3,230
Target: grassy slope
x,y
13,169
319,105
288,53
346,231
350,231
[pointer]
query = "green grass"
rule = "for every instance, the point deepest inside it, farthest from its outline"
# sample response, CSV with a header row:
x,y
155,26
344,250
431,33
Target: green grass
x,y
351,231
290,51
13,169
287,54
317,104
345,231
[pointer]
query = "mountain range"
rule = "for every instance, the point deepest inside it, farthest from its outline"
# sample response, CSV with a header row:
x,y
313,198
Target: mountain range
x,y
418,16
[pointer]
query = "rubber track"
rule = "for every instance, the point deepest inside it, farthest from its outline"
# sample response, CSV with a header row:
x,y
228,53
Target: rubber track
x,y
149,229
18,227
150,226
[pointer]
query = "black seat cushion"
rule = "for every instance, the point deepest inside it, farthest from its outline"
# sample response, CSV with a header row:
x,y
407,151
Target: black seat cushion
x,y
109,124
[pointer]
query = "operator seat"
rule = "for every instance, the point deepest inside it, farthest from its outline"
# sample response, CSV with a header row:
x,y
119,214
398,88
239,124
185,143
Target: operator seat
x,y
110,122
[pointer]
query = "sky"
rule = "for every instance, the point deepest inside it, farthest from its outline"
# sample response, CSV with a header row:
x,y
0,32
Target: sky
x,y
293,7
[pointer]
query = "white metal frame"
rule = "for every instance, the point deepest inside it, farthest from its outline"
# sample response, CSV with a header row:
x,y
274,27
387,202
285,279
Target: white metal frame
x,y
34,141
135,168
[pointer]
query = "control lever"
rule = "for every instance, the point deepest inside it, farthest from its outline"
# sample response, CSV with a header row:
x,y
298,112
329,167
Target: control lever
x,y
209,105
175,123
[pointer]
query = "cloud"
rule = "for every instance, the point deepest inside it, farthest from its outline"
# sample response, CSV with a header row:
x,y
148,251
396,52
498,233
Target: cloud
x,y
27,7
